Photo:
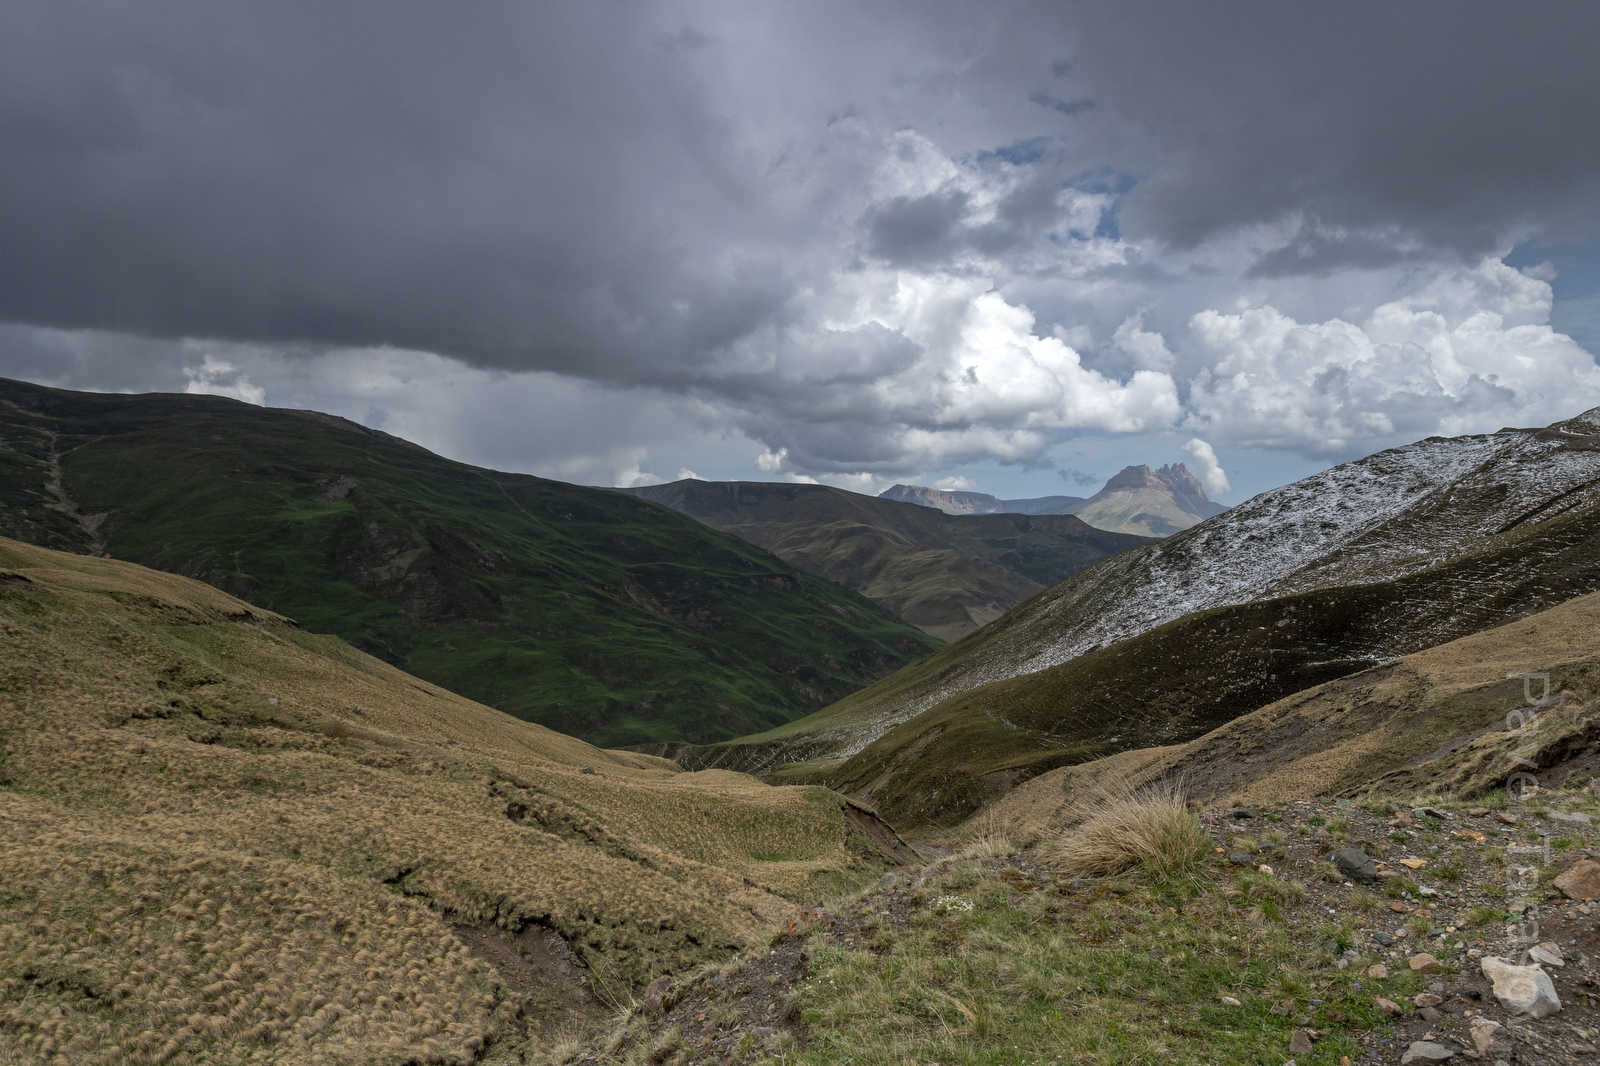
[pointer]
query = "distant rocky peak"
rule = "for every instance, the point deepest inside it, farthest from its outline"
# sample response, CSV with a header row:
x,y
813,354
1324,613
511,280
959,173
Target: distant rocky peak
x,y
1174,477
1178,478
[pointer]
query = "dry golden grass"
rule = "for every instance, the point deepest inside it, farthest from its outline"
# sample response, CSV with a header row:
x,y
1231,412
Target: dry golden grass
x,y
211,854
1148,830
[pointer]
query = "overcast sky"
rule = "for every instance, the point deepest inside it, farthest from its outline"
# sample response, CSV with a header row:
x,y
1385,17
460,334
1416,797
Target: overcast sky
x,y
1009,246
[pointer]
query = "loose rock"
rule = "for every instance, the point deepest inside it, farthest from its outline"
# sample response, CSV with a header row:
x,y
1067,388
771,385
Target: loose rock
x,y
1548,953
1426,1051
1581,880
1300,1043
1483,1031
1425,963
1388,1006
1355,864
1522,989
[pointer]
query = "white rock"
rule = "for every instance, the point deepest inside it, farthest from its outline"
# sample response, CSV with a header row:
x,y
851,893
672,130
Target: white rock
x,y
1548,953
1483,1031
1522,989
1426,1051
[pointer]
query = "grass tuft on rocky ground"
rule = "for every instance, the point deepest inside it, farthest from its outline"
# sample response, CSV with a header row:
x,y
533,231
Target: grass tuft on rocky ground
x,y
999,953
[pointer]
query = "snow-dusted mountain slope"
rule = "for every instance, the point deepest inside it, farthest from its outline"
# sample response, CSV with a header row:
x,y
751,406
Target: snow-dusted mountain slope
x,y
1427,506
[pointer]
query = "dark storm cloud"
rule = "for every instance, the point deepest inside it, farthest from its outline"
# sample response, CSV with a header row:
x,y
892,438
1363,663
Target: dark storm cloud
x,y
915,229
1449,124
510,189
624,190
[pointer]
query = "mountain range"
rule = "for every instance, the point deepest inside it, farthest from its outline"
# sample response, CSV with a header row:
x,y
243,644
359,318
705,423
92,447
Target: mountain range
x,y
946,574
956,501
1138,500
603,616
1374,559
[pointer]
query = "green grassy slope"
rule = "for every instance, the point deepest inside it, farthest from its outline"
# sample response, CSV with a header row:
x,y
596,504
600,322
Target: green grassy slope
x,y
946,574
591,612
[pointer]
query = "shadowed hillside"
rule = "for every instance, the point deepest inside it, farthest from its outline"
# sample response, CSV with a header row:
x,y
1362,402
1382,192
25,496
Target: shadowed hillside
x,y
1438,721
229,840
595,614
945,574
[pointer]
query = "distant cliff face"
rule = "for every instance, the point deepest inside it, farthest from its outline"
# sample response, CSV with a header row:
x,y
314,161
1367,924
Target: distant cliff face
x,y
1140,501
948,502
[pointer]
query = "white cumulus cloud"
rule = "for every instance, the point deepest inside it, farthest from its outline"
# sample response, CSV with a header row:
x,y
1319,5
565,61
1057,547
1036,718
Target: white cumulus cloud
x,y
1470,352
1211,474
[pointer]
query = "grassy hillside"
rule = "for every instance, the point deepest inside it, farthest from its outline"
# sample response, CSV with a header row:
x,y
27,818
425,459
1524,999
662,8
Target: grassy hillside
x,y
1435,722
229,840
599,615
946,574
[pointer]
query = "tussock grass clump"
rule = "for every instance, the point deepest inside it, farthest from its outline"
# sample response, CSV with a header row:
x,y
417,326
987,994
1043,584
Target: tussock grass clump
x,y
1149,831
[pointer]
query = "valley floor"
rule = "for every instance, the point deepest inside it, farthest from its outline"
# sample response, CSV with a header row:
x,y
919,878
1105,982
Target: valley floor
x,y
999,955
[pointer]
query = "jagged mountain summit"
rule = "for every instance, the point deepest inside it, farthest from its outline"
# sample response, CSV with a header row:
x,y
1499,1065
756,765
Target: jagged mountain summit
x,y
960,502
1138,500
1148,503
946,574
1373,559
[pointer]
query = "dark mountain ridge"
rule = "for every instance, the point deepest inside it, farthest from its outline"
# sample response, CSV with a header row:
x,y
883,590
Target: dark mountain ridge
x,y
597,614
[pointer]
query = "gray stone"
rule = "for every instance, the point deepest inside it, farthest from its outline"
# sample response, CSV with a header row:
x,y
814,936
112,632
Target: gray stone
x,y
1563,816
1483,1031
1300,1043
1522,989
1547,954
1431,812
1426,1051
656,996
1355,864
1383,938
